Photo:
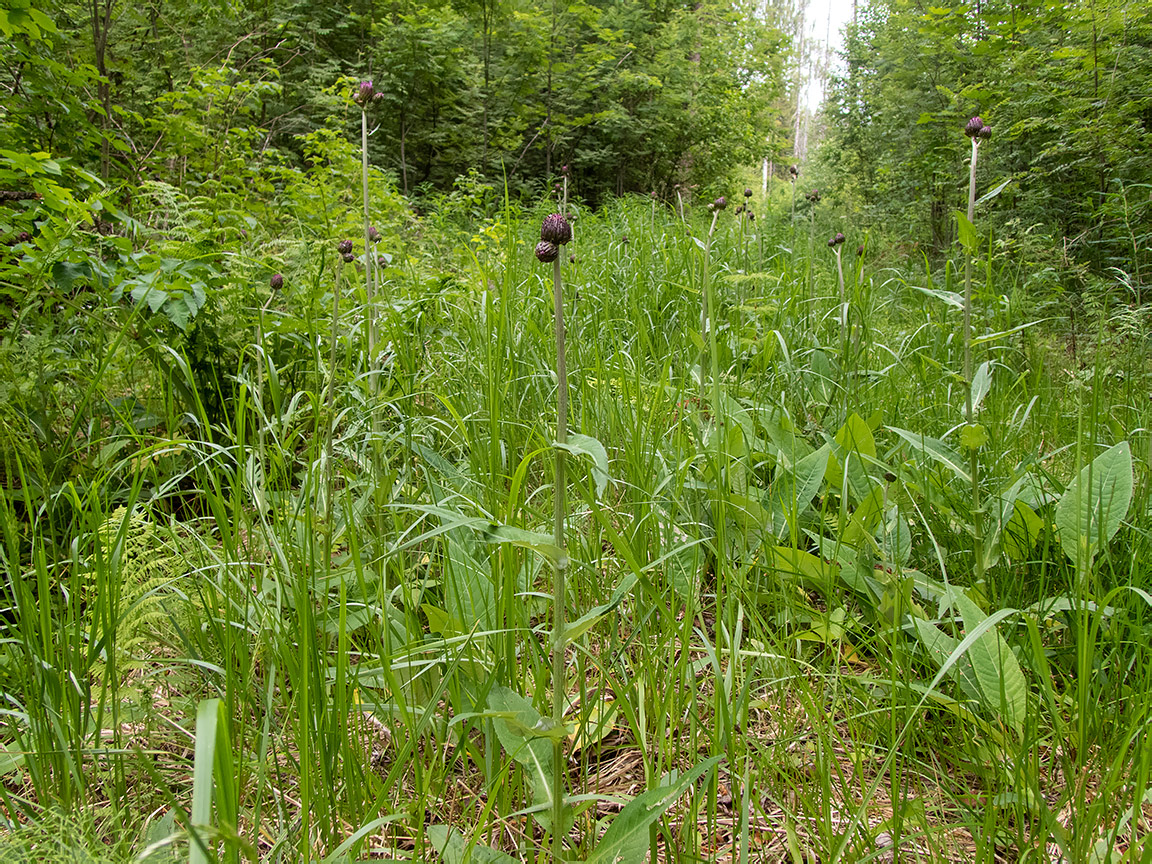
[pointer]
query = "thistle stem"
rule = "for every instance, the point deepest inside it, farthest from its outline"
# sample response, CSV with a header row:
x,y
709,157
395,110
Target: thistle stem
x,y
369,258
709,328
330,402
560,567
843,308
973,452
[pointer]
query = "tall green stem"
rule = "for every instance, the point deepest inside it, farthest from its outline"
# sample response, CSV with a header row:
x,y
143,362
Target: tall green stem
x,y
973,453
560,568
369,258
711,368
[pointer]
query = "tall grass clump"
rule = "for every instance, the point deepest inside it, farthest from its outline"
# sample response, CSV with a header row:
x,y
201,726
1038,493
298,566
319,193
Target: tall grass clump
x,y
442,624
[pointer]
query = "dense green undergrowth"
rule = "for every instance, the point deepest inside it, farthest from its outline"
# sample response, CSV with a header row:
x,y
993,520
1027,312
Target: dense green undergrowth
x,y
290,600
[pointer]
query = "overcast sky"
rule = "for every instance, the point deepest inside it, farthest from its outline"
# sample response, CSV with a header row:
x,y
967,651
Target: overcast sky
x,y
825,20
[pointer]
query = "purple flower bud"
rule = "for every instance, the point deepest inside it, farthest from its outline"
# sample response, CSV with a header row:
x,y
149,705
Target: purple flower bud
x,y
985,133
364,93
747,193
831,242
751,216
571,259
373,234
564,170
860,250
839,238
972,127
276,282
794,171
547,252
348,257
721,202
555,229
344,247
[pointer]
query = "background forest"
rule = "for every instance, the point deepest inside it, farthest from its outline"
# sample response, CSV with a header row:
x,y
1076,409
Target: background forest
x,y
787,499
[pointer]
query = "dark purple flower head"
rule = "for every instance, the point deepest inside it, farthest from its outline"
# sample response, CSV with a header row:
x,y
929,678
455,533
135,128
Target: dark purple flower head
x,y
344,247
373,234
564,170
747,193
972,127
859,250
555,229
831,242
985,133
348,257
547,252
364,93
276,282
751,216
839,238
721,202
794,171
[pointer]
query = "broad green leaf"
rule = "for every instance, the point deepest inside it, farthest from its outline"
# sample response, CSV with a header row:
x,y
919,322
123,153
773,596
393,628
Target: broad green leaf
x,y
581,625
534,540
987,670
853,445
1091,509
1002,684
792,490
586,445
454,849
597,724
937,450
969,239
988,196
811,570
973,436
956,301
626,839
1021,532
469,592
516,723
981,384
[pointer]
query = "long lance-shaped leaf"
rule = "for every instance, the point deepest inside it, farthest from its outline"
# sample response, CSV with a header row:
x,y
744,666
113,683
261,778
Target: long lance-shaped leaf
x,y
626,839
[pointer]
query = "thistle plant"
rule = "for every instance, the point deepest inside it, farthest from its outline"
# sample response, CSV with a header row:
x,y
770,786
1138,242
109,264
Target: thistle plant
x,y
365,96
834,243
554,233
793,175
813,198
978,132
745,208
